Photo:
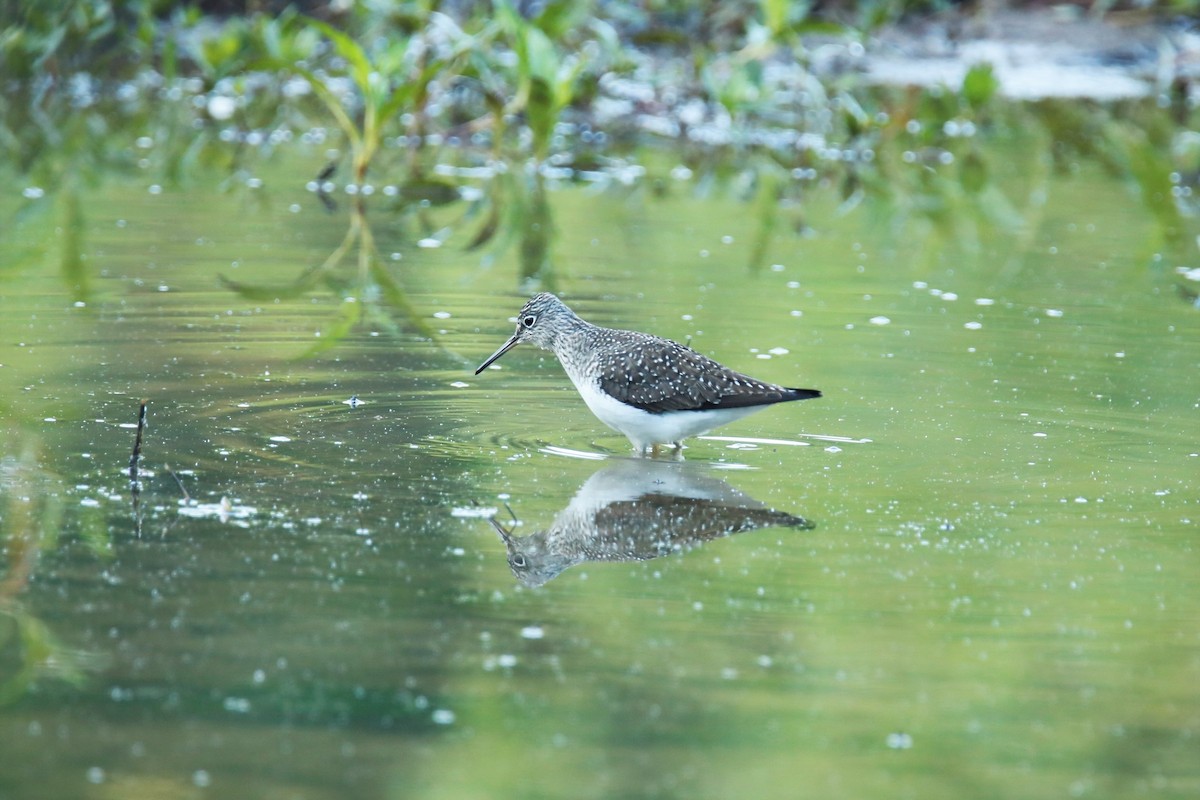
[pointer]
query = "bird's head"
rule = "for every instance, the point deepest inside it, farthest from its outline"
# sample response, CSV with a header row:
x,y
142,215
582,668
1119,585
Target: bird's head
x,y
541,321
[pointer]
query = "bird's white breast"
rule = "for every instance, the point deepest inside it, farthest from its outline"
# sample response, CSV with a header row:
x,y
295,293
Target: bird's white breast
x,y
644,429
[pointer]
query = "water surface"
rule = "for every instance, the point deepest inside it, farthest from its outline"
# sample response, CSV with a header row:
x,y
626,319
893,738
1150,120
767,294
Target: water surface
x,y
995,594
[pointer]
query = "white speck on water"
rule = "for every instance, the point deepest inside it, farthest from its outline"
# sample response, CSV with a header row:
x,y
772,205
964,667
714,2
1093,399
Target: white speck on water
x,y
686,317
950,296
442,716
984,301
795,312
460,384
89,502
201,778
429,243
33,192
1081,499
764,661
259,676
506,660
726,239
764,356
95,775
441,315
1119,354
52,419
1039,435
280,439
778,351
1054,312
533,632
973,325
879,320
236,705
473,512
920,285
899,741
354,402
793,284
833,448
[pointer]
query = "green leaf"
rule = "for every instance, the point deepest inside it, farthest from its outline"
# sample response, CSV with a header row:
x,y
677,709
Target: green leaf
x,y
541,56
775,15
980,85
347,48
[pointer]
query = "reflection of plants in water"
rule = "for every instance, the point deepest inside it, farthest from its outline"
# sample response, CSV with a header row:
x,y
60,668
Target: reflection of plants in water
x,y
372,295
518,210
32,514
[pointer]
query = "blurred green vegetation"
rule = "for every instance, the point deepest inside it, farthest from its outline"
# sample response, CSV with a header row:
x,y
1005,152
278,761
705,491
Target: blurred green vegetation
x,y
490,106
32,513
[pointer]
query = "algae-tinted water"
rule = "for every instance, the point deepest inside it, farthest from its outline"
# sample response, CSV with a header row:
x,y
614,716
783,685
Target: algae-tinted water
x,y
997,595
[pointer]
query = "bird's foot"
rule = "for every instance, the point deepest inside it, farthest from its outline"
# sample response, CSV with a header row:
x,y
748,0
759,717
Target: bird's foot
x,y
672,451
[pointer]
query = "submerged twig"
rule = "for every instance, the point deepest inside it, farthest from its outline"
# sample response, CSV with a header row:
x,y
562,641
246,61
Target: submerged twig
x,y
187,498
135,486
137,443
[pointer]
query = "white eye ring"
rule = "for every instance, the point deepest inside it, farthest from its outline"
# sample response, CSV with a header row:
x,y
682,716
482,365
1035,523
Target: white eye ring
x,y
528,320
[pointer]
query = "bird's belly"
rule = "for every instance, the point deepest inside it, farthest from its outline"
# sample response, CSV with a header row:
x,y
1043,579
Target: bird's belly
x,y
645,429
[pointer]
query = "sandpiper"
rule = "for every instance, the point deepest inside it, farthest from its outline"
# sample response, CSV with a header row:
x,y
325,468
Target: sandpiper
x,y
651,389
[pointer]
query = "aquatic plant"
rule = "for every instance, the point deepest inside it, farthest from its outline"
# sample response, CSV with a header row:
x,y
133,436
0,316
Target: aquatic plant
x,y
392,78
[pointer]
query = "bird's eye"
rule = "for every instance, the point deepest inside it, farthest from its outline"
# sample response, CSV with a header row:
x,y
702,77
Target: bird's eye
x,y
518,560
528,320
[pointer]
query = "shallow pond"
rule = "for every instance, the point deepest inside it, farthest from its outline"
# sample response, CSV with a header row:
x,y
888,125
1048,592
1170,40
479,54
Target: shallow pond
x,y
968,570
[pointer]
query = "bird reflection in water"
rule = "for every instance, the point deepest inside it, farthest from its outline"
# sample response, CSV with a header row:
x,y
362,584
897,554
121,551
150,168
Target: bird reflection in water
x,y
636,510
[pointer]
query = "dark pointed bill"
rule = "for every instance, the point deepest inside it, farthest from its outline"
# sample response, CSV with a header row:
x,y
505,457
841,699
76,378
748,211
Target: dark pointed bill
x,y
510,344
505,535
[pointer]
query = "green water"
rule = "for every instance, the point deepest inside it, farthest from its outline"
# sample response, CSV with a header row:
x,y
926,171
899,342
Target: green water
x,y
997,595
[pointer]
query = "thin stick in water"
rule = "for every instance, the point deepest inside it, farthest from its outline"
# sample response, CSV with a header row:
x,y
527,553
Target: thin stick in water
x,y
137,443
